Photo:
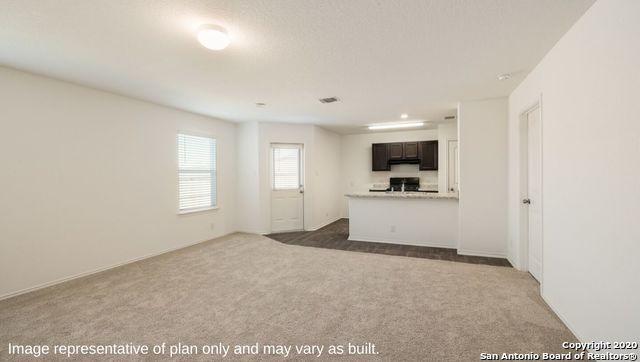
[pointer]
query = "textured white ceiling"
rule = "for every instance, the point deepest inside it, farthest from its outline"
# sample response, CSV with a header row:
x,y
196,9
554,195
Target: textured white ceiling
x,y
380,57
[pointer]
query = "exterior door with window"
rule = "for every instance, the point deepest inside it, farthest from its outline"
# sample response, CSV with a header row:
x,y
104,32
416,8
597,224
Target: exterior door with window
x,y
287,188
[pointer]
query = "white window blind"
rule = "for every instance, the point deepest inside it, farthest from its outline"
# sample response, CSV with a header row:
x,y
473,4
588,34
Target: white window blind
x,y
197,181
286,168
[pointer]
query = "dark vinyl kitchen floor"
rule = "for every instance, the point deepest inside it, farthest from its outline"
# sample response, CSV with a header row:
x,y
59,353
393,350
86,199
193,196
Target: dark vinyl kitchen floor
x,y
334,236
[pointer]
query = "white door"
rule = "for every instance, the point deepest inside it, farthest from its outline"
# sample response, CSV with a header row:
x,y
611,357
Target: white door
x,y
452,166
533,200
287,190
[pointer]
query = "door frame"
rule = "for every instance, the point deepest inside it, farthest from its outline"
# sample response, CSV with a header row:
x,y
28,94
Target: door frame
x,y
302,180
523,188
446,168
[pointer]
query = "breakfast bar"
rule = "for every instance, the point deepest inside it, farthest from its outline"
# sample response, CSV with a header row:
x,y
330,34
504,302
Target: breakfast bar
x,y
411,218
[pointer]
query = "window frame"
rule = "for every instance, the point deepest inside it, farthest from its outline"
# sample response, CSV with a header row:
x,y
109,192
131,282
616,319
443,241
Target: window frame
x,y
217,179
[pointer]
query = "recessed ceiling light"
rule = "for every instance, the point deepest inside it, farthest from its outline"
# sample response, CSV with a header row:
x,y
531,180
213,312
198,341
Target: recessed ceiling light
x,y
404,116
504,76
213,37
396,125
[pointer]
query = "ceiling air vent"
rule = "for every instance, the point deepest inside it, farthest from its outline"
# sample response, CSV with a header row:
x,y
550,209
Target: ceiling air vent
x,y
329,100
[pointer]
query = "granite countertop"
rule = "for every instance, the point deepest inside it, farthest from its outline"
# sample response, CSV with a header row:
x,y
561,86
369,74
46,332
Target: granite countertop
x,y
403,195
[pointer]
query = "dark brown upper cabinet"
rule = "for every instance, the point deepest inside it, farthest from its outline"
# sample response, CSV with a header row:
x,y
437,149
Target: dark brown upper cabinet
x,y
423,153
428,151
410,150
396,151
380,161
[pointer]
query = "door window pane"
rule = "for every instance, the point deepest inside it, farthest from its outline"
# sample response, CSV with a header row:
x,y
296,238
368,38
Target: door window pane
x,y
286,168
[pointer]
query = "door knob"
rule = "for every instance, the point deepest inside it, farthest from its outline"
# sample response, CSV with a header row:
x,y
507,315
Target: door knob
x,y
526,201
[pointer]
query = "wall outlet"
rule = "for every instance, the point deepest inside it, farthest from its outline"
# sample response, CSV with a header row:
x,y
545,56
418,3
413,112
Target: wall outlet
x,y
212,226
393,228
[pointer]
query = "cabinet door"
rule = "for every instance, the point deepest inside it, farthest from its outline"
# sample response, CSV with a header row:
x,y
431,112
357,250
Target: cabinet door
x,y
428,155
380,157
411,150
396,151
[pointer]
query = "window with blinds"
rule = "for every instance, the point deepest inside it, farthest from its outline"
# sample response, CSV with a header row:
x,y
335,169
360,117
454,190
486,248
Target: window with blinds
x,y
197,181
286,167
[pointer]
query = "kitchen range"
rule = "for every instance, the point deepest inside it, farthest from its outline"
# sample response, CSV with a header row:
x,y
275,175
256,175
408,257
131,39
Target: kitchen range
x,y
403,184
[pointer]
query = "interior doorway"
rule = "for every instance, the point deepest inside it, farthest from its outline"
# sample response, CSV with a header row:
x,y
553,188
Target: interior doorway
x,y
532,195
287,187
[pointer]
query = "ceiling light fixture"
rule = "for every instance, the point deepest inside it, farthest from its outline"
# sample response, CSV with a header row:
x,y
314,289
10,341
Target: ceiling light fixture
x,y
213,37
396,125
404,116
504,76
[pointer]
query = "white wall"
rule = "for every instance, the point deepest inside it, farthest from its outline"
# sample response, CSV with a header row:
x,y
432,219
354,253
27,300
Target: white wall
x,y
356,162
482,131
248,218
590,86
89,180
327,177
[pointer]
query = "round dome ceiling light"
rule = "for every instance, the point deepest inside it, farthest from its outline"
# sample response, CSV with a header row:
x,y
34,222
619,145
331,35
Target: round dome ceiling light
x,y
213,37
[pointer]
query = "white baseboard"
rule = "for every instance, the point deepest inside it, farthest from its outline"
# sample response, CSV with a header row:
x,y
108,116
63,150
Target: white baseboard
x,y
481,253
401,242
253,232
98,270
511,260
563,319
332,220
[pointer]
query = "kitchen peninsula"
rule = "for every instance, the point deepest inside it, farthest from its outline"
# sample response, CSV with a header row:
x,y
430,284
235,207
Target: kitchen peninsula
x,y
411,218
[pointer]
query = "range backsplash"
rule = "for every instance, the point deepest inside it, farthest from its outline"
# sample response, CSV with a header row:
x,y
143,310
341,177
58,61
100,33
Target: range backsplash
x,y
428,179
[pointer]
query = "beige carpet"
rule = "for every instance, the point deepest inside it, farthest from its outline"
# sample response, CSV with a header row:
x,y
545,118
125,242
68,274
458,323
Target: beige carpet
x,y
246,289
